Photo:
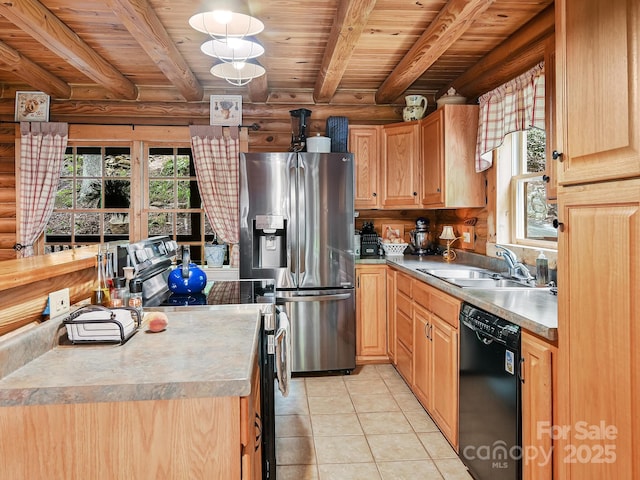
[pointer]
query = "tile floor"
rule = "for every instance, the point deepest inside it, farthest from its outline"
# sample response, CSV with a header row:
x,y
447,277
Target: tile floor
x,y
367,425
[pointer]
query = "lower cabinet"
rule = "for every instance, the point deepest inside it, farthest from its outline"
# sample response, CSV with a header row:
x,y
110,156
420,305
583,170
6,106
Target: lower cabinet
x,y
251,431
538,358
371,314
391,315
404,326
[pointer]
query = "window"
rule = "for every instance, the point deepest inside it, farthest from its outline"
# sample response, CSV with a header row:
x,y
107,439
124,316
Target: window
x,y
532,218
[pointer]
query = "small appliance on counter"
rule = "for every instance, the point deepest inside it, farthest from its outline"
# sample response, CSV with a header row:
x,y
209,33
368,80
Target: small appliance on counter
x,y
421,238
368,241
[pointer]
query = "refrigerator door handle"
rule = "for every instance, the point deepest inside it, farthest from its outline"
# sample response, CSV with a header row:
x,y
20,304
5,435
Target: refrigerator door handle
x,y
293,251
315,298
302,231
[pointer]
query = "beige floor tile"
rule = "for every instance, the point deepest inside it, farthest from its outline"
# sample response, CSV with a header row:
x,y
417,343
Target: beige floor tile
x,y
384,422
367,387
409,470
330,405
397,386
296,386
295,451
421,421
386,370
348,471
291,405
297,472
452,469
332,425
293,426
343,449
325,386
437,445
363,372
375,403
396,447
408,402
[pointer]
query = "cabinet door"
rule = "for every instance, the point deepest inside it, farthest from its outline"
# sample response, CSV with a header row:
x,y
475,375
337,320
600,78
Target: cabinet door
x,y
599,318
598,104
400,176
371,312
444,399
422,356
537,400
550,118
391,314
432,131
364,144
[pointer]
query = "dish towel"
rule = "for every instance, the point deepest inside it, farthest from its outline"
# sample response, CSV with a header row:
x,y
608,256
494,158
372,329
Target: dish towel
x,y
283,353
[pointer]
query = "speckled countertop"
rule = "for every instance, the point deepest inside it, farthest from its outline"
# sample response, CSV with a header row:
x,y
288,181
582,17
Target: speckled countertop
x,y
535,310
200,354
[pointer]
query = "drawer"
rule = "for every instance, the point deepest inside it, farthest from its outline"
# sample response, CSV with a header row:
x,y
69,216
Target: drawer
x,y
404,304
405,364
404,330
445,307
404,284
422,294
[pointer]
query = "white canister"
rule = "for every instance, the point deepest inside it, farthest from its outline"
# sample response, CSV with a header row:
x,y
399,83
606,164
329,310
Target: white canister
x,y
356,245
319,144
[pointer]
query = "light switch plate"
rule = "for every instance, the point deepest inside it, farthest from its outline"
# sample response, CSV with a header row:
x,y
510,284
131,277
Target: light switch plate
x,y
59,302
468,237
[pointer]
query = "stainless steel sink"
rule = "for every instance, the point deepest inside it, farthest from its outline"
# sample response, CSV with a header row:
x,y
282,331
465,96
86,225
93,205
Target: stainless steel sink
x,y
475,278
460,273
487,283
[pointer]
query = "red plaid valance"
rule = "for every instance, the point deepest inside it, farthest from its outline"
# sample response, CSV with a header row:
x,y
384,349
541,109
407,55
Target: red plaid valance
x,y
513,106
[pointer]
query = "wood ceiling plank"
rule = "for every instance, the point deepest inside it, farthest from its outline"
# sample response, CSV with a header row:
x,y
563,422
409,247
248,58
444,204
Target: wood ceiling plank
x,y
37,76
145,26
351,18
34,18
452,21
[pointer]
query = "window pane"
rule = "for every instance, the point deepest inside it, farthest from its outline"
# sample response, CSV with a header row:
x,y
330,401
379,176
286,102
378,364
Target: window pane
x,y
89,162
161,194
184,194
160,224
116,223
67,164
87,224
539,214
208,229
64,195
183,161
117,193
88,193
536,159
161,162
59,224
118,163
184,226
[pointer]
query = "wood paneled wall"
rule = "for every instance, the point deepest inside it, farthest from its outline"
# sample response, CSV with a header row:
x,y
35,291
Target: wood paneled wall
x,y
7,192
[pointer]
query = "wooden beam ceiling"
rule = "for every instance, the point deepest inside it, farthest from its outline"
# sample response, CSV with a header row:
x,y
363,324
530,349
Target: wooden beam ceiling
x,y
39,22
452,21
351,18
11,60
145,26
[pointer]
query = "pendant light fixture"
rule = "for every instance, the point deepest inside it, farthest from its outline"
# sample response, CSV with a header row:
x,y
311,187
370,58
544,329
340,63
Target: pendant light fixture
x,y
231,29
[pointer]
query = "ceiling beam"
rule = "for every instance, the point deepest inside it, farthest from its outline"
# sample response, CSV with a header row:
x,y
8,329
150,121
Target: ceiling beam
x,y
483,76
37,77
351,18
452,21
39,22
144,25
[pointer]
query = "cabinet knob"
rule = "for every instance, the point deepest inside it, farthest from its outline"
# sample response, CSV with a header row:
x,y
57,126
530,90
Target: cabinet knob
x,y
546,178
558,225
415,194
556,155
375,194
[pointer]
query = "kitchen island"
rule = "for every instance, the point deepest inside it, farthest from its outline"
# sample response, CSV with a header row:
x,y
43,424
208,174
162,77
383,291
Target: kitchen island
x,y
177,404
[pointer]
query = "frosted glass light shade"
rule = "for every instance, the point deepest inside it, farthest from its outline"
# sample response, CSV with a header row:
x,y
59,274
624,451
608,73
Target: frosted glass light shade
x,y
232,49
447,233
231,25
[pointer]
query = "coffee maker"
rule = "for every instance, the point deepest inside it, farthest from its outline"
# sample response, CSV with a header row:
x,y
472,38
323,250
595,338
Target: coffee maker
x,y
299,129
421,237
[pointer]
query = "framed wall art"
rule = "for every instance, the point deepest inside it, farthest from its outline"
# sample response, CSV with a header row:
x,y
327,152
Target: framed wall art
x,y
32,107
226,110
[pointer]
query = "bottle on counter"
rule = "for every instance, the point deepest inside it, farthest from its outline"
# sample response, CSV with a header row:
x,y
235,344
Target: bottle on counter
x,y
120,294
101,291
542,270
135,294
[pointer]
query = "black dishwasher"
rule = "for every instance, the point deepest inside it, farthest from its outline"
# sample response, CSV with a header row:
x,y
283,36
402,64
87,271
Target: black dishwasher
x,y
490,410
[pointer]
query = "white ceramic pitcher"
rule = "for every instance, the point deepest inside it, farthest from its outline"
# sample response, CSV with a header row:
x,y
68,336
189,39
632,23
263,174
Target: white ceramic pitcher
x,y
416,106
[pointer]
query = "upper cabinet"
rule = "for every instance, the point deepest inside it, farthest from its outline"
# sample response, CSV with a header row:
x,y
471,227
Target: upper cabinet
x,y
448,145
598,110
422,164
364,141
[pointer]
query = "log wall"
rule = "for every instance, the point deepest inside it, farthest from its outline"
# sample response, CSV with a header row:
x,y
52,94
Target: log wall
x,y
7,192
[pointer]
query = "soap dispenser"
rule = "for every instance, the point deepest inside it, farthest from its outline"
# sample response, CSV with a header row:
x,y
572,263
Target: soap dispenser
x,y
542,270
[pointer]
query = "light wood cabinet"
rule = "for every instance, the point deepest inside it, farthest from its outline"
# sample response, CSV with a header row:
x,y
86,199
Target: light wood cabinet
x,y
404,326
391,314
371,313
598,318
400,165
422,354
597,90
364,142
448,145
251,431
538,359
445,394
551,165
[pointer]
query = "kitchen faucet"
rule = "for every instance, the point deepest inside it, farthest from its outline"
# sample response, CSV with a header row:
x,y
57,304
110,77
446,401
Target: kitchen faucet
x,y
517,269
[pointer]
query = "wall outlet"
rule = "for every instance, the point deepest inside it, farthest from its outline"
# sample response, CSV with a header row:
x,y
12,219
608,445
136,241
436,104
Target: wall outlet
x,y
468,237
59,303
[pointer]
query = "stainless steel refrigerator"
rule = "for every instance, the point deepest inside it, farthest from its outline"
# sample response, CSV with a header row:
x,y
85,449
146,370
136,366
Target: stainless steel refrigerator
x,y
296,226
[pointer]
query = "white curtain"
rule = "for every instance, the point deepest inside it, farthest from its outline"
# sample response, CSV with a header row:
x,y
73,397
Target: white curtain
x,y
513,106
42,147
216,161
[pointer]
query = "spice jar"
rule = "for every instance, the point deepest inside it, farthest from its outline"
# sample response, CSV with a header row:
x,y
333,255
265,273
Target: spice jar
x,y
135,294
120,294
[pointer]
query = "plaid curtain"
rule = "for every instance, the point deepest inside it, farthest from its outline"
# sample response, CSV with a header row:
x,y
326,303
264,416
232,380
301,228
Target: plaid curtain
x,y
513,106
216,160
42,146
